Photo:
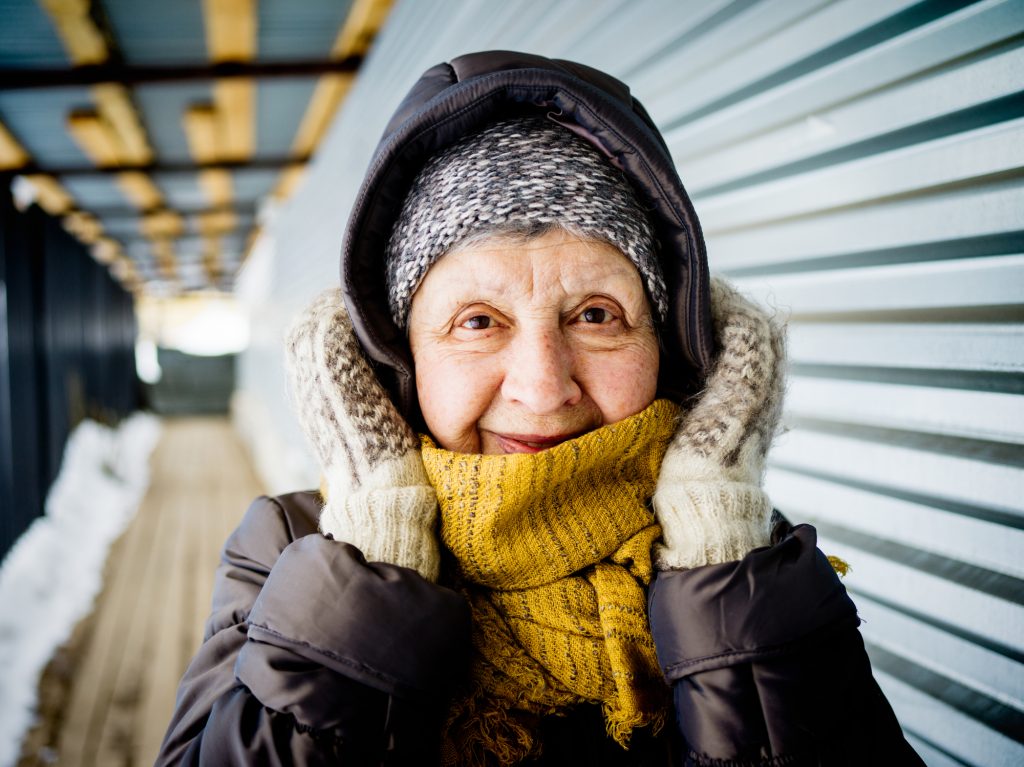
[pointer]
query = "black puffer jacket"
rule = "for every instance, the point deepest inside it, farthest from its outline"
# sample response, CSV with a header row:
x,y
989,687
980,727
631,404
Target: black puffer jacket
x,y
314,656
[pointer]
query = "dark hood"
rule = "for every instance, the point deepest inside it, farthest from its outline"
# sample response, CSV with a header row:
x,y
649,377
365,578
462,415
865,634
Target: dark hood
x,y
460,97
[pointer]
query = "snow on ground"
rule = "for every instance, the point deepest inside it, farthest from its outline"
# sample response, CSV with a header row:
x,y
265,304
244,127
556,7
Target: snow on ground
x,y
53,573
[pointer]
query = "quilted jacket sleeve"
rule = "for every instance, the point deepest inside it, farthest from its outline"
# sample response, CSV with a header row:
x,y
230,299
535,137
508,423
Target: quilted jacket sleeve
x,y
767,664
314,656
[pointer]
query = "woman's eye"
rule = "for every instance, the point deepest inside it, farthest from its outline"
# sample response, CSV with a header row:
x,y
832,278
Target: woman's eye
x,y
478,322
596,315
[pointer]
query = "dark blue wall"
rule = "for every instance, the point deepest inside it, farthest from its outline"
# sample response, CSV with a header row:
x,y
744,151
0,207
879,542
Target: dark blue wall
x,y
67,351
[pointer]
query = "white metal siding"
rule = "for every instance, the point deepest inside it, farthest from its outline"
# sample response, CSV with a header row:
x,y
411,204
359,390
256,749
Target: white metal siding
x,y
856,165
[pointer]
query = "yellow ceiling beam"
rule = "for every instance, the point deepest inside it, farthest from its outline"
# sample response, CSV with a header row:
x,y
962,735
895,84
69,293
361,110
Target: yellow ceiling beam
x,y
85,226
235,100
230,29
123,268
214,223
51,196
200,123
83,40
110,135
163,252
289,180
231,36
217,187
226,130
201,130
107,250
115,106
97,139
162,224
212,264
12,154
330,91
362,24
94,137
140,190
85,44
364,20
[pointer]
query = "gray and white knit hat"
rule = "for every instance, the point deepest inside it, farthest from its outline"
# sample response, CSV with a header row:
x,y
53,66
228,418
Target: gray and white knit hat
x,y
523,174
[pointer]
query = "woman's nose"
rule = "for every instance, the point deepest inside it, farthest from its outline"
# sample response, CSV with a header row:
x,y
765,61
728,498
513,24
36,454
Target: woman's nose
x,y
539,372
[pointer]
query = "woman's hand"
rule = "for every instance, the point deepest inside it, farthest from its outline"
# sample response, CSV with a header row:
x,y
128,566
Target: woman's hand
x,y
709,499
378,495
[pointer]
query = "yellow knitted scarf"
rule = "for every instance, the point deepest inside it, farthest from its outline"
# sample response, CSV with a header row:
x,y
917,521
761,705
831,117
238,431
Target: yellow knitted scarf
x,y
552,552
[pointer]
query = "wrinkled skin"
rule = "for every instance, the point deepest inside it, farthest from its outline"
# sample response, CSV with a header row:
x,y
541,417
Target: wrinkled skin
x,y
520,344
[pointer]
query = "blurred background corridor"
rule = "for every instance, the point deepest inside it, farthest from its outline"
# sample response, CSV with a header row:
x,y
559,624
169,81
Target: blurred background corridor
x,y
176,178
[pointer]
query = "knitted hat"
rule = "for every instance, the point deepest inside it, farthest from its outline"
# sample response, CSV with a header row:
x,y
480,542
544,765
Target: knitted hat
x,y
524,175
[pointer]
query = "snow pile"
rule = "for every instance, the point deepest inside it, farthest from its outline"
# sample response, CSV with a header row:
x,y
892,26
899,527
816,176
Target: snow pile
x,y
52,575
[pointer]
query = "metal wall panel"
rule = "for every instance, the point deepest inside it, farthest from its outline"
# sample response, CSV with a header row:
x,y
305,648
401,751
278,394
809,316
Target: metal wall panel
x,y
857,165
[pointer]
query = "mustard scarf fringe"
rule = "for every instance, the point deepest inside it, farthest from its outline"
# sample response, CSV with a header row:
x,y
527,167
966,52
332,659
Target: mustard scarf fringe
x,y
553,554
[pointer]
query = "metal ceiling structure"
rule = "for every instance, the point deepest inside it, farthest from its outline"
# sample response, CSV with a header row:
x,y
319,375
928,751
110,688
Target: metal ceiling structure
x,y
156,130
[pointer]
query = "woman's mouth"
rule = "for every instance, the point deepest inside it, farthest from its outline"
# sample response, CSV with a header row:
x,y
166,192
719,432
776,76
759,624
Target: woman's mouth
x,y
530,443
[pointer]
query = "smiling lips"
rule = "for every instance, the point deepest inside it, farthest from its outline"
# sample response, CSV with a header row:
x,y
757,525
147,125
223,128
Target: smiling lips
x,y
531,443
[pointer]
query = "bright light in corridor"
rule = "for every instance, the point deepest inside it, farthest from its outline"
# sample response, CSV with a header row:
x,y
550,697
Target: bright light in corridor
x,y
218,328
203,325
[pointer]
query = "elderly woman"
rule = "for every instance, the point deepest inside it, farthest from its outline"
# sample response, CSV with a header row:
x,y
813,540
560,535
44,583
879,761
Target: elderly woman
x,y
541,537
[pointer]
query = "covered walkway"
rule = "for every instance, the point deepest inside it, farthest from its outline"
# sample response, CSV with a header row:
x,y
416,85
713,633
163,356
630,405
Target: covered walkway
x,y
109,695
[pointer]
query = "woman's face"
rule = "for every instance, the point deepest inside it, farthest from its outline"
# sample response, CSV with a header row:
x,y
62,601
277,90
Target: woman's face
x,y
522,344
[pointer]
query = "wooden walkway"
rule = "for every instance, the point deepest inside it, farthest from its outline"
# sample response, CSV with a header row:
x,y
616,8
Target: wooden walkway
x,y
127,658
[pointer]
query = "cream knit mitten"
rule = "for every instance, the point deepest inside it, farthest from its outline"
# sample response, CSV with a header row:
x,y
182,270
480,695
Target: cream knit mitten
x,y
378,495
709,499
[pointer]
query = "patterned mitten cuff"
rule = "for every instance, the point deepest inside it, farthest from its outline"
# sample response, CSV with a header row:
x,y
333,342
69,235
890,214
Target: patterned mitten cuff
x,y
390,518
709,499
378,496
707,523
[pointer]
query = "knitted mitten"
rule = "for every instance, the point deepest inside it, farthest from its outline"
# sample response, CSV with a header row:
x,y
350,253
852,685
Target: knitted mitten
x,y
378,495
709,499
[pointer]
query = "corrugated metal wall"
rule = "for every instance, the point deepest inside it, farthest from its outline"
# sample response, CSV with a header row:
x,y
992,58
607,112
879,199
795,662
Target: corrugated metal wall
x,y
857,165
67,351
